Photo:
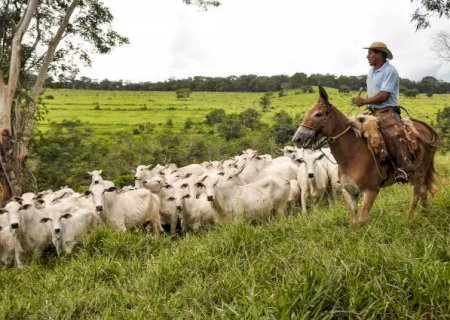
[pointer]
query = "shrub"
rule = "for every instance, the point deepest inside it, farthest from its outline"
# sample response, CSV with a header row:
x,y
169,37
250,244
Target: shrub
x,y
183,93
188,124
265,101
411,93
215,116
344,89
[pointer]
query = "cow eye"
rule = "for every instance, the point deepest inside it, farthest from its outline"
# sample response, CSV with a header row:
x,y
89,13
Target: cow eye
x,y
300,160
171,199
186,196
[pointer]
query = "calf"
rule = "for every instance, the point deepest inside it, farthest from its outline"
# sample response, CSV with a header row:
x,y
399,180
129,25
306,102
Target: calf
x,y
30,236
68,224
312,177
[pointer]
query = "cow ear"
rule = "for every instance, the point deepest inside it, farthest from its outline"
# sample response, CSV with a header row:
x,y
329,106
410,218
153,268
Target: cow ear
x,y
17,199
44,220
66,216
110,189
25,207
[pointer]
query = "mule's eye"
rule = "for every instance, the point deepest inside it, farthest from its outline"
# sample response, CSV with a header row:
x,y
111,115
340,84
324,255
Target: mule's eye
x,y
318,114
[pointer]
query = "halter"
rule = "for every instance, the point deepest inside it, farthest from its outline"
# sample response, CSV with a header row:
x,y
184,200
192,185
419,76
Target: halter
x,y
330,140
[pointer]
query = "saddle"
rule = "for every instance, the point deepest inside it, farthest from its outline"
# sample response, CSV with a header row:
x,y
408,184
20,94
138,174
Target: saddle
x,y
373,128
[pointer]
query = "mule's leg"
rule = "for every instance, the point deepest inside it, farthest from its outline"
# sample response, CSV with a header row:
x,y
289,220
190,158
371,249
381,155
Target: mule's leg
x,y
352,205
367,203
414,200
424,196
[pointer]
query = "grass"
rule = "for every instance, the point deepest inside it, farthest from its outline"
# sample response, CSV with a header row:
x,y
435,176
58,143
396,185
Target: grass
x,y
310,266
109,112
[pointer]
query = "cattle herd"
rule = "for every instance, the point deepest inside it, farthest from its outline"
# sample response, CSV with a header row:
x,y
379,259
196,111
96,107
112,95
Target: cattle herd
x,y
249,186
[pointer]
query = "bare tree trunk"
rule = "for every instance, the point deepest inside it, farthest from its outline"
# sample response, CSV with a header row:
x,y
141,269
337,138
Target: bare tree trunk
x,y
28,119
9,184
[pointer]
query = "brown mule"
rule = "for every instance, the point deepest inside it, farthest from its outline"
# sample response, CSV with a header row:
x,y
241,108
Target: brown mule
x,y
359,172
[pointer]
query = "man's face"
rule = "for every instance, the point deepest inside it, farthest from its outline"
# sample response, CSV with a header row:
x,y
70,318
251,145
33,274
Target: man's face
x,y
374,56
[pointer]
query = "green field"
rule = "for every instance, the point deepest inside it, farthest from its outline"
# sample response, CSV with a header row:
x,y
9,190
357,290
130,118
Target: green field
x,y
310,266
112,111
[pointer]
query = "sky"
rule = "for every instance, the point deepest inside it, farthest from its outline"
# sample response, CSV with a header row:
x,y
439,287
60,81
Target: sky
x,y
169,39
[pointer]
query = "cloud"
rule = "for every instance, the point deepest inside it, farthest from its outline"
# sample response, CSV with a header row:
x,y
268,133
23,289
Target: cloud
x,y
264,37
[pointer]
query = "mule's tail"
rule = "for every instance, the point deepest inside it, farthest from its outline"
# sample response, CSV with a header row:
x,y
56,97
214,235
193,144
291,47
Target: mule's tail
x,y
430,178
431,146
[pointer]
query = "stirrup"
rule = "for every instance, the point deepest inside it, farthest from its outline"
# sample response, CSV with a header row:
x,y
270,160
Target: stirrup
x,y
401,176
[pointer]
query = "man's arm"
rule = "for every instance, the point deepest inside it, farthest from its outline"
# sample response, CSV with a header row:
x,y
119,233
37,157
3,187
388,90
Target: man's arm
x,y
379,98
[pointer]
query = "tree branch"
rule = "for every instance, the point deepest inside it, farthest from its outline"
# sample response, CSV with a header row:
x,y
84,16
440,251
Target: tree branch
x,y
51,51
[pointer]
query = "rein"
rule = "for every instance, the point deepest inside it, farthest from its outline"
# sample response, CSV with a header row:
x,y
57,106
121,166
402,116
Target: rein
x,y
333,139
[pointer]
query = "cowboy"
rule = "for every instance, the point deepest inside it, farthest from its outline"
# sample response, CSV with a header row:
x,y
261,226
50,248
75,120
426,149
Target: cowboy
x,y
382,101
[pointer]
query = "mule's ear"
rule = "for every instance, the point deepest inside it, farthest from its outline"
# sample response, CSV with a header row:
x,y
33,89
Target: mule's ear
x,y
323,94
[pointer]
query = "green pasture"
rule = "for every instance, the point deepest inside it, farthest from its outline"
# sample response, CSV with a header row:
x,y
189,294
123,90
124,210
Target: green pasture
x,y
114,111
311,266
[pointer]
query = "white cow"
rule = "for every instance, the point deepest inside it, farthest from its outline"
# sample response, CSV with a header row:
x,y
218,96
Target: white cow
x,y
312,177
251,201
6,242
128,209
68,224
331,167
30,236
143,173
97,179
196,212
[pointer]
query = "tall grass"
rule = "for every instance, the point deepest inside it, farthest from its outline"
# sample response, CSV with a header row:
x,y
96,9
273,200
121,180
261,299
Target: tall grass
x,y
311,266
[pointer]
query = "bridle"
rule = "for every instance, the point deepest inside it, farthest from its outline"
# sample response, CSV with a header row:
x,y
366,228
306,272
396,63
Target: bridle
x,y
318,133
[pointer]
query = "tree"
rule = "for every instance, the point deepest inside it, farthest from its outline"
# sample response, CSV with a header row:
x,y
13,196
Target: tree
x,y
284,128
231,128
38,37
427,9
250,118
443,127
421,17
215,116
183,93
265,101
441,45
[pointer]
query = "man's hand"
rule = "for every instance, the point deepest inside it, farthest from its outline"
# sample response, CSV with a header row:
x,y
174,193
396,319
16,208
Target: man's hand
x,y
358,101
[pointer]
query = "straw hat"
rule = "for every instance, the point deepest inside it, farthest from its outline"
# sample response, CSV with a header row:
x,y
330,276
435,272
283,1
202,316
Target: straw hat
x,y
380,46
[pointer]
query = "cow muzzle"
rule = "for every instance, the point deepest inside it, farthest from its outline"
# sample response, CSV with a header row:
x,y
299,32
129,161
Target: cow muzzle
x,y
99,208
210,198
14,225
